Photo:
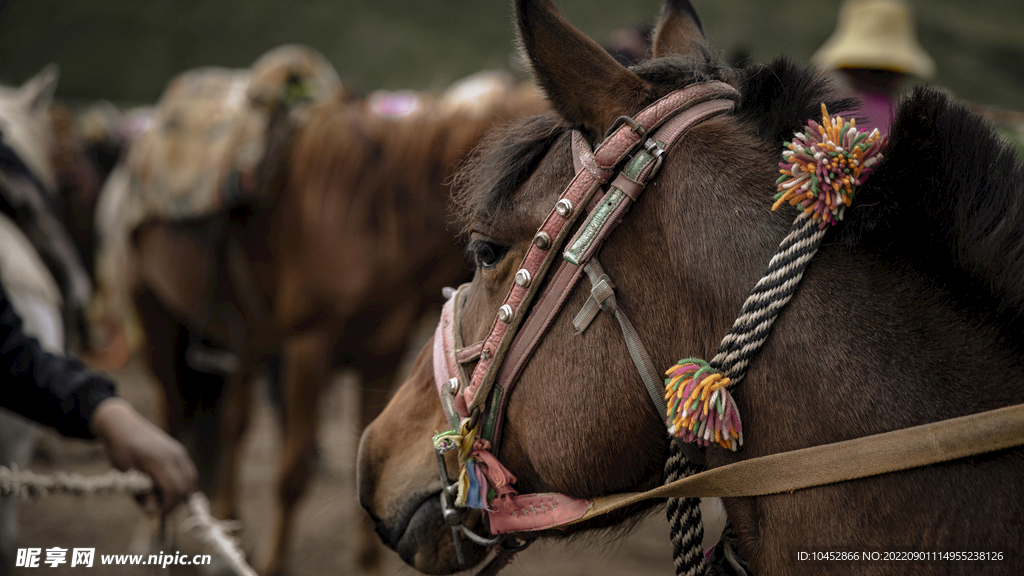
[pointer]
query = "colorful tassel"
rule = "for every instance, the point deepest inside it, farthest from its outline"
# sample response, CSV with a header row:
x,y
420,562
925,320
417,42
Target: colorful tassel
x,y
481,477
821,171
700,407
824,166
445,442
476,495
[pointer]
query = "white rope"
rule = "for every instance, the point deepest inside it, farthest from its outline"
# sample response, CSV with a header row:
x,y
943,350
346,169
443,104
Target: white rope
x,y
27,484
214,532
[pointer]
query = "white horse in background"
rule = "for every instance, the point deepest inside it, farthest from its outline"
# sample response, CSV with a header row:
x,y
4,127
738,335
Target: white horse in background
x,y
25,122
34,294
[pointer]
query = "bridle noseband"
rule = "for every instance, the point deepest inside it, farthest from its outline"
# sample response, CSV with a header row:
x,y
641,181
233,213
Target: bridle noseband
x,y
627,159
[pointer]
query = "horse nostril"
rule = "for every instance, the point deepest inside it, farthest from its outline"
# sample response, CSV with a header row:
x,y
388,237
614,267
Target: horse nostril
x,y
366,479
386,534
391,529
382,532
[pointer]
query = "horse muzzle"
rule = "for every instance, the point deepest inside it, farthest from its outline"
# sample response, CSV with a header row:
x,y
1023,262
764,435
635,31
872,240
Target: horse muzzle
x,y
399,486
423,540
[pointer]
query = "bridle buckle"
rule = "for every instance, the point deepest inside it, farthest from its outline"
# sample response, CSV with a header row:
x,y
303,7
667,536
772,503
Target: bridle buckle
x,y
633,125
654,148
657,151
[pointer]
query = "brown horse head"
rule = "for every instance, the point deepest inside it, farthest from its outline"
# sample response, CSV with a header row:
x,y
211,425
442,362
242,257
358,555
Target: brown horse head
x,y
885,307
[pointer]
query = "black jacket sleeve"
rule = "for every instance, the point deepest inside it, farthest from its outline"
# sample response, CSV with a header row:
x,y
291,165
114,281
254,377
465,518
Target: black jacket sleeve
x,y
51,389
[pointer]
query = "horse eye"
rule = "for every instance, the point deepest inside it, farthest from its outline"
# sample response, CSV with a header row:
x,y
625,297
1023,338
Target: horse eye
x,y
487,254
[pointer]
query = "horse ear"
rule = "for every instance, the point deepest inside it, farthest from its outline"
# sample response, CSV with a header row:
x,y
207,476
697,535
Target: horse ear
x,y
679,31
583,82
37,92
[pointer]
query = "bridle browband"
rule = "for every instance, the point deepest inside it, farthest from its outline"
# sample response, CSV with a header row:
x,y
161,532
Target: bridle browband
x,y
628,158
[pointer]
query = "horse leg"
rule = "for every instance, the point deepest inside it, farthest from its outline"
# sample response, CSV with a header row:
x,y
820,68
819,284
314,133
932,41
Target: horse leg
x,y
161,342
305,370
187,396
233,410
190,397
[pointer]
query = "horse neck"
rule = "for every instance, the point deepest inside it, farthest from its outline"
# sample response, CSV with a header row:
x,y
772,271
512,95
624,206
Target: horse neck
x,y
871,341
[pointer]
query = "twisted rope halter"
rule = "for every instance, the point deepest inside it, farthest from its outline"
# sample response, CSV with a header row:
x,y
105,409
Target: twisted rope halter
x,y
821,171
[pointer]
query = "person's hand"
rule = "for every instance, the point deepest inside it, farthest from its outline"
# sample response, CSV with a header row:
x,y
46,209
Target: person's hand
x,y
135,443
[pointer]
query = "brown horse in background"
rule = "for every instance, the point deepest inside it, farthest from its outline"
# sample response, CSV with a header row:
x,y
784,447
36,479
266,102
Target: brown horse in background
x,y
354,247
918,288
82,162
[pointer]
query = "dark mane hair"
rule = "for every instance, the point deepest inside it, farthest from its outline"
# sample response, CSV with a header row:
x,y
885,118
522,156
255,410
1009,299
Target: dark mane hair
x,y
504,159
777,99
973,232
948,199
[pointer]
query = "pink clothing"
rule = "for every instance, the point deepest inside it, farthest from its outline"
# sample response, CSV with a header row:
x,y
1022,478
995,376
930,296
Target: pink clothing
x,y
876,111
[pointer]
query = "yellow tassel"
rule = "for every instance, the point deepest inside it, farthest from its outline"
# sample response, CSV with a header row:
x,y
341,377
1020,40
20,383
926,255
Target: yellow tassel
x,y
465,447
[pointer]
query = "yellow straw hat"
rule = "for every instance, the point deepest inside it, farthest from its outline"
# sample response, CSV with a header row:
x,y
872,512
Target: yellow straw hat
x,y
876,34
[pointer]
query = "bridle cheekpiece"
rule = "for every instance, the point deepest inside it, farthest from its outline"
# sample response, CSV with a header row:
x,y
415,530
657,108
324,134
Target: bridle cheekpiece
x,y
607,182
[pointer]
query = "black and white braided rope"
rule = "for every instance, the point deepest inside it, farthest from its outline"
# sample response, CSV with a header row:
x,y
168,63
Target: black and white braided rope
x,y
684,520
767,298
740,345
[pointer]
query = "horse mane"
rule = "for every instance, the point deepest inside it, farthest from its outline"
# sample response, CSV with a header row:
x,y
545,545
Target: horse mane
x,y
948,199
504,159
777,99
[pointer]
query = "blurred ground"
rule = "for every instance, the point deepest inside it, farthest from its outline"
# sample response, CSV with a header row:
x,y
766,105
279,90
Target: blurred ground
x,y
108,523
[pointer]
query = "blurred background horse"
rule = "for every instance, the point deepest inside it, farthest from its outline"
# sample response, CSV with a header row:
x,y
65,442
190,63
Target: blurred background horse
x,y
315,236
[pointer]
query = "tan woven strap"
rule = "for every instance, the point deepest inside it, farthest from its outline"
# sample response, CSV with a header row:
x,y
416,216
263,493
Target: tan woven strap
x,y
848,460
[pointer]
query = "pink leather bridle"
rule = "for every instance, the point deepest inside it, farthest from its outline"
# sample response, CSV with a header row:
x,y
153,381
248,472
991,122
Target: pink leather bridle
x,y
620,167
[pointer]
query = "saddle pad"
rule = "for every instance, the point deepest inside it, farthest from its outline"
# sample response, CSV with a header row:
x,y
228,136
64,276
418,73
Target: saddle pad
x,y
208,134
